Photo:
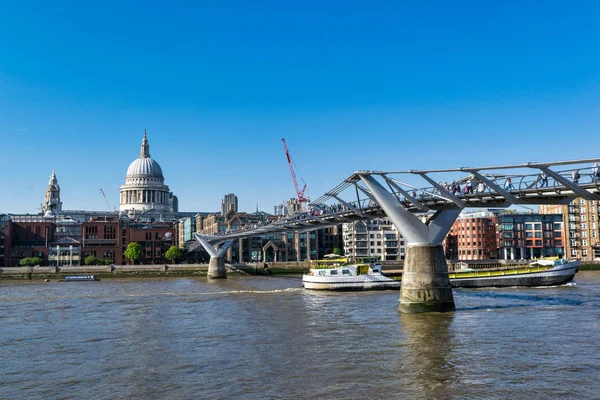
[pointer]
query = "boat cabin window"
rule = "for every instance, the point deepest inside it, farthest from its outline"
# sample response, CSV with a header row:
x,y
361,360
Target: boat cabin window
x,y
322,273
346,272
334,272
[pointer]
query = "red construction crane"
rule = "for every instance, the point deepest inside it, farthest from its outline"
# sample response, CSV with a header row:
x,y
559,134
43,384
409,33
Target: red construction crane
x,y
107,202
300,193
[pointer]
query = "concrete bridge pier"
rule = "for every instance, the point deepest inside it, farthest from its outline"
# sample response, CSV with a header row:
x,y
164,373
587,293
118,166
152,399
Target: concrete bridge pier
x,y
425,282
216,268
216,265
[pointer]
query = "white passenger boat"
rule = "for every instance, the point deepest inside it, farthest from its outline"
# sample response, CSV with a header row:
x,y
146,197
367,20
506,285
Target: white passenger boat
x,y
340,275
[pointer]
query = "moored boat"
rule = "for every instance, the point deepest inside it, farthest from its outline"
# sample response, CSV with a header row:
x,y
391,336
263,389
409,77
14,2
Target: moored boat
x,y
539,273
340,275
79,278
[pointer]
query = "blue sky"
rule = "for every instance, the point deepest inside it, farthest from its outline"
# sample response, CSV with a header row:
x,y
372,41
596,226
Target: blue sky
x,y
350,85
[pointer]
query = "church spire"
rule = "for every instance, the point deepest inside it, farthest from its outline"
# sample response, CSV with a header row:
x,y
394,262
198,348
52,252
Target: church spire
x,y
53,180
52,201
145,152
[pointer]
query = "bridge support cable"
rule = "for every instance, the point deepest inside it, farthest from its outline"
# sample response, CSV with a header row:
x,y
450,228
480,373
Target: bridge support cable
x,y
425,282
446,193
567,183
501,191
365,191
348,205
216,265
406,195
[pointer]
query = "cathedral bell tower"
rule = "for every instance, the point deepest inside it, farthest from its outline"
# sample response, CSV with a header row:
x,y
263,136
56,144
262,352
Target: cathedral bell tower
x,y
52,203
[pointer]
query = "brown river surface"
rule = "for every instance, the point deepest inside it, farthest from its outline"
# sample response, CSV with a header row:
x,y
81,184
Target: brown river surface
x,y
266,338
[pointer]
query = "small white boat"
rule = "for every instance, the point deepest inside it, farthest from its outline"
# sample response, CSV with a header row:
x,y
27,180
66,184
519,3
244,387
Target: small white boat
x,y
79,278
335,275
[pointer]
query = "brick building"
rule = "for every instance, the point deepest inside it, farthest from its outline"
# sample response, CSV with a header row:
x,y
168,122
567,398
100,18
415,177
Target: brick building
x,y
581,227
472,237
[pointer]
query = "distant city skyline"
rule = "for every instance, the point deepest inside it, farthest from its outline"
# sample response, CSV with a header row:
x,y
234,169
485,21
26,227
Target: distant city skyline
x,y
378,86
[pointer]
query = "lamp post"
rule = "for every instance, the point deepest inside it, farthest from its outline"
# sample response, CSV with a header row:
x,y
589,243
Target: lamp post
x,y
57,255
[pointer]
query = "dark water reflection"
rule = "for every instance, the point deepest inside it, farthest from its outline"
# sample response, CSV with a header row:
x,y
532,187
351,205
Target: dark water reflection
x,y
254,338
428,347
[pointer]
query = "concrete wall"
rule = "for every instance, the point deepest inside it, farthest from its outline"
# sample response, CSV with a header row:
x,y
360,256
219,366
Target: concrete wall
x,y
103,271
85,269
122,271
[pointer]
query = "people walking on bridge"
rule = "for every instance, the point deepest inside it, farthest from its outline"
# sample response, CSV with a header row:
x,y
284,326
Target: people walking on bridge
x,y
468,187
455,188
508,185
595,172
481,187
544,179
575,175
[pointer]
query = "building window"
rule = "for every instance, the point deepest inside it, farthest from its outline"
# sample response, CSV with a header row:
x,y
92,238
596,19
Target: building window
x,y
584,242
110,232
584,253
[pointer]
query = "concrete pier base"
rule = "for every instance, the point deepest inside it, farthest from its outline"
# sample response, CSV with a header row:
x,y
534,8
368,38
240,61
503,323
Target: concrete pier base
x,y
216,268
425,283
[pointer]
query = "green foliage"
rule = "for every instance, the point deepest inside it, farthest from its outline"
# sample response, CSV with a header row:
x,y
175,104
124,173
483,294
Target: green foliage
x,y
133,251
173,254
90,260
30,261
93,260
338,251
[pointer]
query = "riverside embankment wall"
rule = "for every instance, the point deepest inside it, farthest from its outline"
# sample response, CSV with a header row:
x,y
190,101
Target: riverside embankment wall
x,y
124,271
104,271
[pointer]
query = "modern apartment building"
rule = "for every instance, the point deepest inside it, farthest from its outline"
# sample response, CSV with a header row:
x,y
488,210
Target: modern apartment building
x,y
374,238
581,232
529,236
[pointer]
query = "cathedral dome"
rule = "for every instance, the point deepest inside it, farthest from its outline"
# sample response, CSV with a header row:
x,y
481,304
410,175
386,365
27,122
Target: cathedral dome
x,y
144,187
146,167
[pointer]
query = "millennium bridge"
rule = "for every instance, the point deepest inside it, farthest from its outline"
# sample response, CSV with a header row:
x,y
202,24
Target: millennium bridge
x,y
423,205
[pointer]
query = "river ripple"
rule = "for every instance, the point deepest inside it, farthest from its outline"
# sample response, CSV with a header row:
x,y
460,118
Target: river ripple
x,y
265,337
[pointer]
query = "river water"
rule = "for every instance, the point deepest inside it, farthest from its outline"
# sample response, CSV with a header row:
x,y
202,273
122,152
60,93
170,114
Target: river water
x,y
266,338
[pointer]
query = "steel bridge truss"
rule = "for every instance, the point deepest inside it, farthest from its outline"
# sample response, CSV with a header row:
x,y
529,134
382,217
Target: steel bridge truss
x,y
429,197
